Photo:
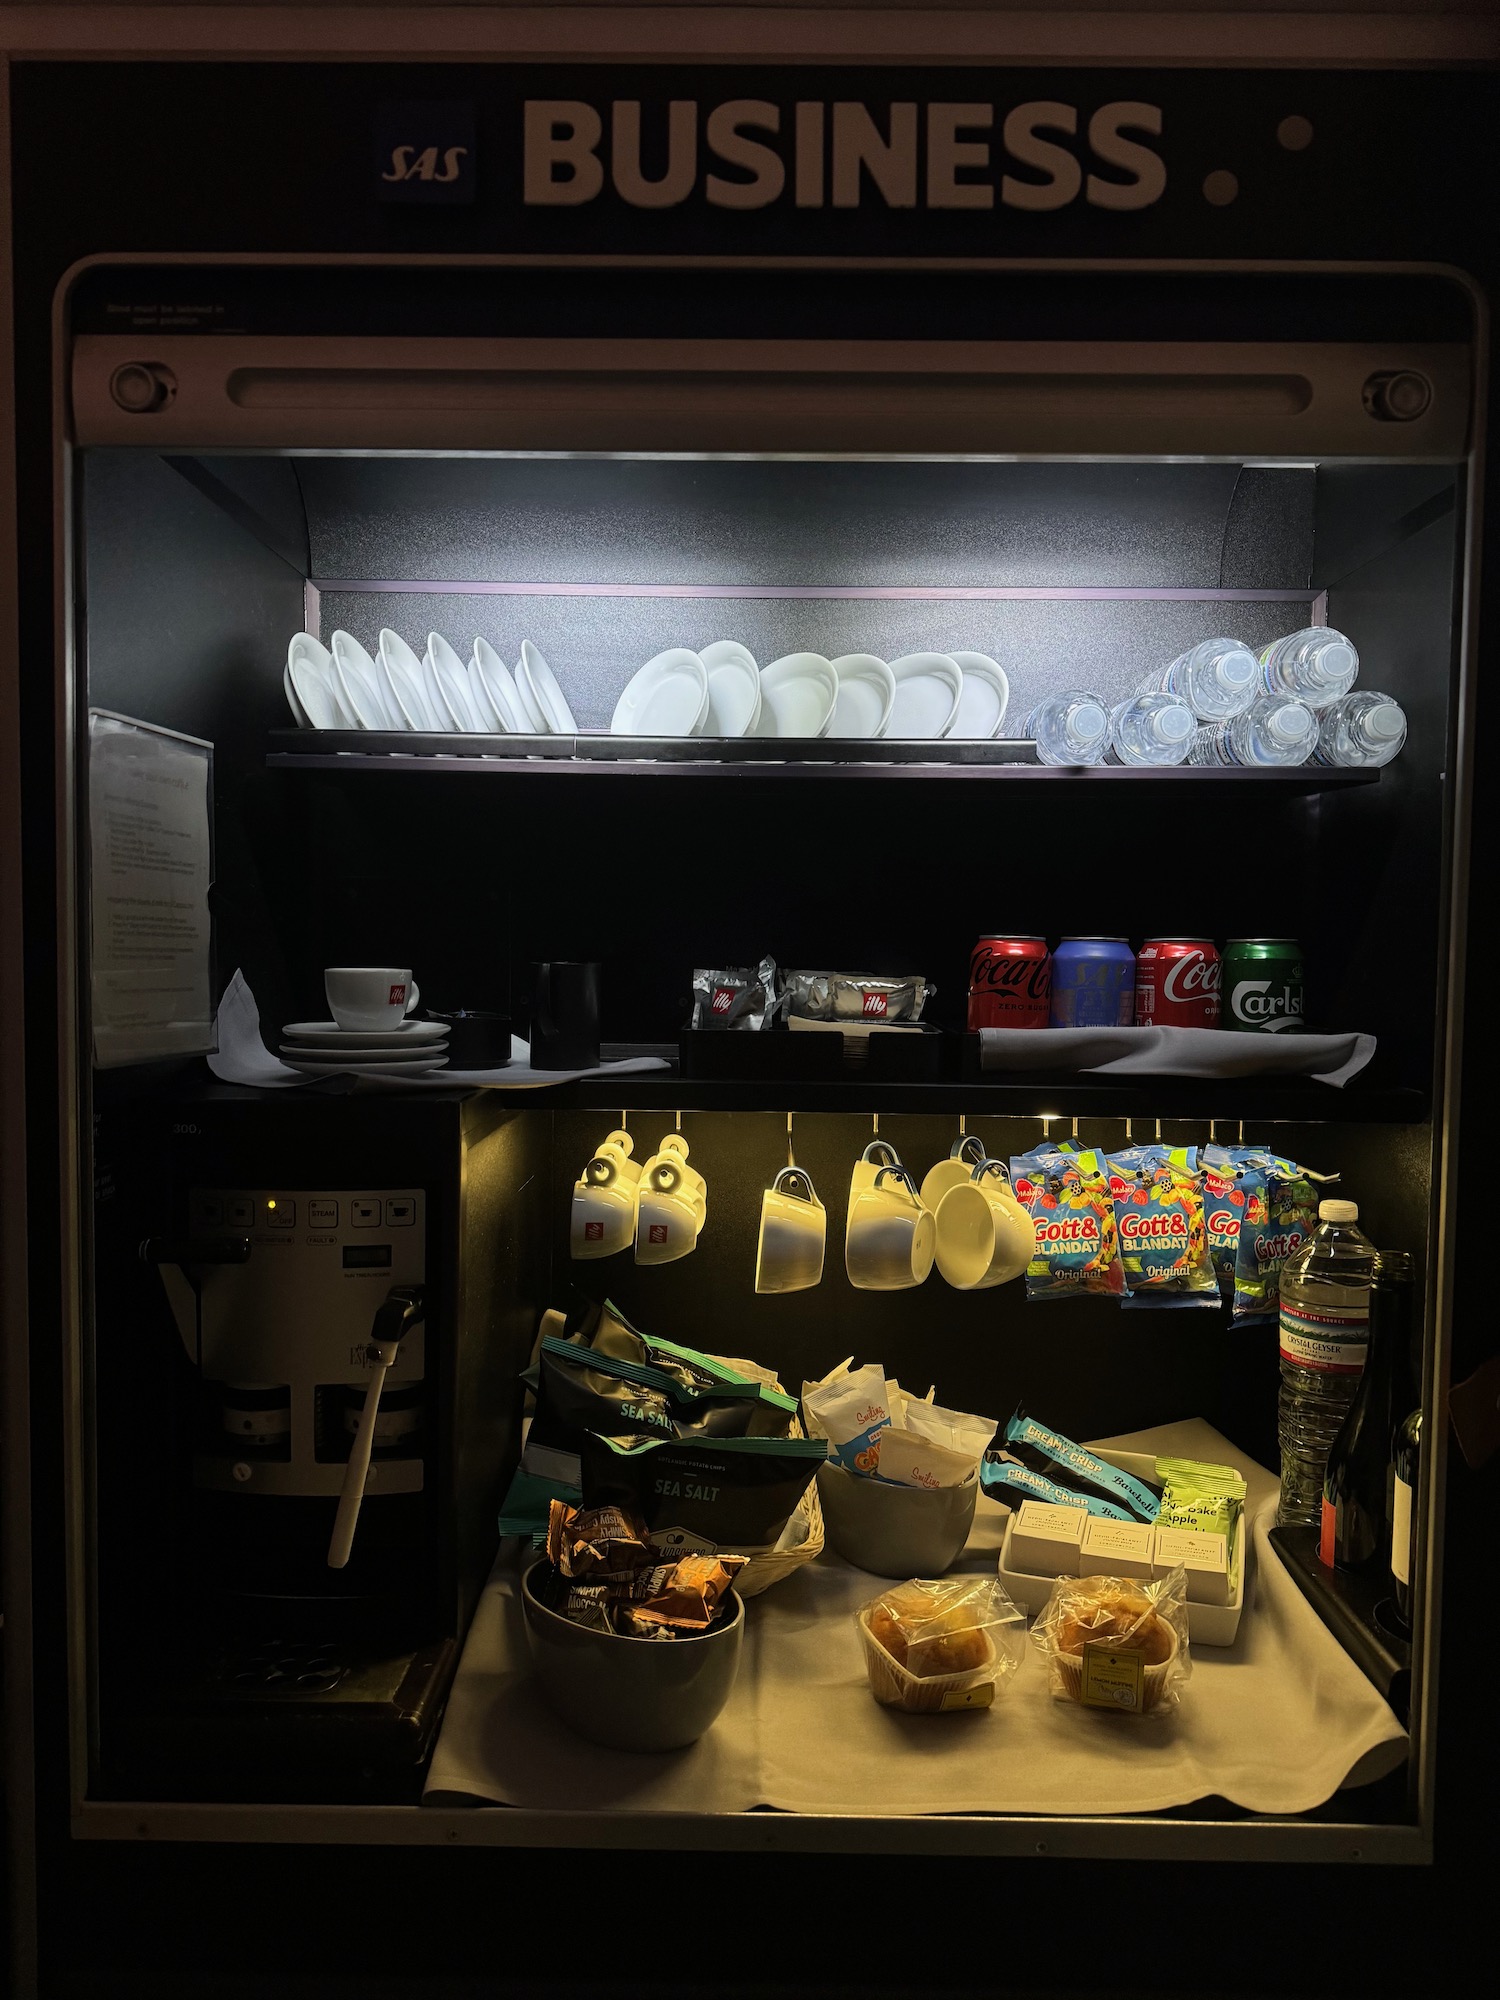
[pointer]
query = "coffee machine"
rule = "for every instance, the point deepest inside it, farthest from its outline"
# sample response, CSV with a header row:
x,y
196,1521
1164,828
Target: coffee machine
x,y
307,1413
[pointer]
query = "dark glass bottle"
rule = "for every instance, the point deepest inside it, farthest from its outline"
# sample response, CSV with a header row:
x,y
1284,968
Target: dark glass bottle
x,y
1356,1488
1406,1462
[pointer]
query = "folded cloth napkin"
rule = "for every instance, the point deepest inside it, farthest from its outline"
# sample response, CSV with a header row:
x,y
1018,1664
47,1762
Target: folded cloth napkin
x,y
1176,1052
244,1058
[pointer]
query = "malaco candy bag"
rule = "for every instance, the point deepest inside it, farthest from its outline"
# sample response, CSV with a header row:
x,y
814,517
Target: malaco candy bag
x,y
1067,1197
1159,1213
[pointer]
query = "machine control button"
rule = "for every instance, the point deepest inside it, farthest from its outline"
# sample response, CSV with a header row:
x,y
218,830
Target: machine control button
x,y
322,1215
364,1213
142,387
241,1212
1398,397
280,1213
208,1211
400,1213
243,1472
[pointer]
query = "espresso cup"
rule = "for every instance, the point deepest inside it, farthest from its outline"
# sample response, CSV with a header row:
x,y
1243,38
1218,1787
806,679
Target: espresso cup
x,y
793,1232
965,1155
891,1236
370,996
671,1204
604,1200
984,1236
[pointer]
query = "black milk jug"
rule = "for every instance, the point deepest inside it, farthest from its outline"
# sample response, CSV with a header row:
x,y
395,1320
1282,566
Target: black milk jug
x,y
565,1015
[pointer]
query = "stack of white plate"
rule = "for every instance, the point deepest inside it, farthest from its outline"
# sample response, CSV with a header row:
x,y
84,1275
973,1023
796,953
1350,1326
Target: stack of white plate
x,y
325,1047
341,686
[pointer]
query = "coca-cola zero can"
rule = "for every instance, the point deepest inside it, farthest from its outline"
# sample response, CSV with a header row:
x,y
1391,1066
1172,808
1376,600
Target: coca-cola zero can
x,y
1177,983
1010,983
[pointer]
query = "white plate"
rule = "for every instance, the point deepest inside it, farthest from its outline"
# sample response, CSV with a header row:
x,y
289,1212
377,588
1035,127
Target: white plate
x,y
446,680
299,714
733,689
929,687
505,696
479,701
797,694
538,679
329,1035
300,1052
328,1065
309,672
400,674
867,691
359,684
667,697
986,696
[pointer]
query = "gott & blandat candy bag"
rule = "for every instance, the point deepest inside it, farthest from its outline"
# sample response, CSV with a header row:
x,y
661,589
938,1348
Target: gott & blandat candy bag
x,y
1280,1214
1159,1214
1223,1208
1067,1197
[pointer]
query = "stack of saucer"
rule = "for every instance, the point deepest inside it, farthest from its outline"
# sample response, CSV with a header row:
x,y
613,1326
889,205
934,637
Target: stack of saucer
x,y
409,1049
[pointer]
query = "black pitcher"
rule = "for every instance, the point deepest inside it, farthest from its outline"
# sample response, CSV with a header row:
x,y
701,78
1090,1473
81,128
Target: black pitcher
x,y
565,1015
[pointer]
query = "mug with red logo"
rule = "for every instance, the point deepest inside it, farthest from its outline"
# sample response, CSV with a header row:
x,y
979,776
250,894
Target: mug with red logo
x,y
671,1204
604,1200
370,996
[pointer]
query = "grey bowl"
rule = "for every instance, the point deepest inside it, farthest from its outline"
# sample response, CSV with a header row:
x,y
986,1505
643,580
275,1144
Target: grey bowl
x,y
631,1694
900,1531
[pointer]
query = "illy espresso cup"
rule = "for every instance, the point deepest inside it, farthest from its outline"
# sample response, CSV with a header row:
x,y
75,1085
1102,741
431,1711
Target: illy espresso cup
x,y
604,1200
891,1236
671,1204
793,1233
984,1236
370,996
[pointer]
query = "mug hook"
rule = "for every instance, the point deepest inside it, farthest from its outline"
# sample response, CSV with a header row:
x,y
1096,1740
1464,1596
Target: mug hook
x,y
1075,1128
679,1121
963,1126
875,1124
1158,1131
791,1157
1129,1135
624,1121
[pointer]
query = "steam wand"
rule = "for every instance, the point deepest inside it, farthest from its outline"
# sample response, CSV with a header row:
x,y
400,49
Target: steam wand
x,y
404,1307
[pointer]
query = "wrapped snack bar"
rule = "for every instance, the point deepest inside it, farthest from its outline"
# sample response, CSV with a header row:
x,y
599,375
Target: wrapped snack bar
x,y
1116,1644
932,1647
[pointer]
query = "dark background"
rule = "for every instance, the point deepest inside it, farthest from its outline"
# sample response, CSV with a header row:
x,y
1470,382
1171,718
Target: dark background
x,y
246,157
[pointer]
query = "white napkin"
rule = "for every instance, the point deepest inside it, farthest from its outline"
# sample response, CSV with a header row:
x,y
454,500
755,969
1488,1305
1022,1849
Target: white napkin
x,y
1176,1052
244,1058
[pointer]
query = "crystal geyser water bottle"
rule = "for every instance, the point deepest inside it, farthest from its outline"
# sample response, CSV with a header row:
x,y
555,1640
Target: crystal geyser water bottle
x,y
1360,730
1317,665
1150,729
1325,1325
1216,678
1069,729
1272,731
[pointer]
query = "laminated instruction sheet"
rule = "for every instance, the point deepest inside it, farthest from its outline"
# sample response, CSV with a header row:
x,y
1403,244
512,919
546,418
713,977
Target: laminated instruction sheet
x,y
151,864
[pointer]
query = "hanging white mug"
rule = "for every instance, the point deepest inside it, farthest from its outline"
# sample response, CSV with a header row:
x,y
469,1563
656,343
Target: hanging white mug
x,y
604,1200
793,1233
891,1236
984,1236
966,1154
671,1204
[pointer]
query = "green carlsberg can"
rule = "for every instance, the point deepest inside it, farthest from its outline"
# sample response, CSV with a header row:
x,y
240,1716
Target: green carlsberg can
x,y
1262,985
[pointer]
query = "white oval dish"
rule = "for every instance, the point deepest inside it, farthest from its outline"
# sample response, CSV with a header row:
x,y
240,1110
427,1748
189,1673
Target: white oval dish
x,y
986,696
867,692
500,686
666,697
537,679
733,689
797,694
400,674
446,680
929,687
359,684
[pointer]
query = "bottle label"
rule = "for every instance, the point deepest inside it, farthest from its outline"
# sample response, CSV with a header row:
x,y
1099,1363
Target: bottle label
x,y
1332,1342
1328,1533
1401,1532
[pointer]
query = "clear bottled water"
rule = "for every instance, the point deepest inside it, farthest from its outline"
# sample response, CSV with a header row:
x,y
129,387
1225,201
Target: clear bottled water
x,y
1070,729
1150,729
1325,1328
1363,729
1216,678
1316,665
1273,730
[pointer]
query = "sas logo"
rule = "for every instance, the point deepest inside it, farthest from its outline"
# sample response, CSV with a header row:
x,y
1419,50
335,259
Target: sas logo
x,y
425,152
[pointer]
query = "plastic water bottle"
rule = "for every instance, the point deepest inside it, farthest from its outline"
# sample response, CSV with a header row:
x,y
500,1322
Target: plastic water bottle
x,y
1325,1327
1217,678
1070,729
1316,665
1150,729
1362,730
1271,731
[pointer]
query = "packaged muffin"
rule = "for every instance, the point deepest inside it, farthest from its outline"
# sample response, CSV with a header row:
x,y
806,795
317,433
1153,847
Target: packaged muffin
x,y
1116,1644
934,1646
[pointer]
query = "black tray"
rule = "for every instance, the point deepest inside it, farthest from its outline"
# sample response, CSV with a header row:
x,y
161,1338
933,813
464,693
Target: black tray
x,y
1358,1610
906,1055
767,1055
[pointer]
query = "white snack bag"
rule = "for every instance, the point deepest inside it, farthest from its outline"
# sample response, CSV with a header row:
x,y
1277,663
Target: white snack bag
x,y
850,1408
954,1428
906,1458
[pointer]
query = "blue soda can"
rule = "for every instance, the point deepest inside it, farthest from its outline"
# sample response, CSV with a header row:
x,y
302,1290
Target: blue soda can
x,y
1093,983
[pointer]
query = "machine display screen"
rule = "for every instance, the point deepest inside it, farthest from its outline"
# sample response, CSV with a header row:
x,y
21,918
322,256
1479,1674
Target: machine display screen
x,y
367,1256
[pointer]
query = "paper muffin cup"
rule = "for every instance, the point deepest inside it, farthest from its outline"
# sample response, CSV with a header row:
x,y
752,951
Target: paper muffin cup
x,y
894,1687
1070,1672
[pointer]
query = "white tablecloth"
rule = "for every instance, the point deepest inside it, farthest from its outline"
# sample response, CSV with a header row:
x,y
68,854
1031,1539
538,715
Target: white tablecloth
x,y
1276,1723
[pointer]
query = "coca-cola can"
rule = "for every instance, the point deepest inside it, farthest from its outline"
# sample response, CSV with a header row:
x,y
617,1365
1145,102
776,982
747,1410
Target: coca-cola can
x,y
1010,983
1177,983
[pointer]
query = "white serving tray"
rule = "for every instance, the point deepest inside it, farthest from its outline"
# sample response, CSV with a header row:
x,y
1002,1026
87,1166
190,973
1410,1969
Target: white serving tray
x,y
1208,1624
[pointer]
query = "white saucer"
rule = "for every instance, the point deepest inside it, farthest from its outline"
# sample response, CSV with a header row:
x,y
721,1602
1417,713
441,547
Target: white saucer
x,y
929,687
400,674
344,1058
446,681
797,696
359,684
537,680
733,689
867,690
329,1035
667,697
505,697
986,696
401,1066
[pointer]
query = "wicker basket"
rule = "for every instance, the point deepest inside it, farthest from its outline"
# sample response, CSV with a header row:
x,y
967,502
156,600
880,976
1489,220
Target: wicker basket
x,y
800,1545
